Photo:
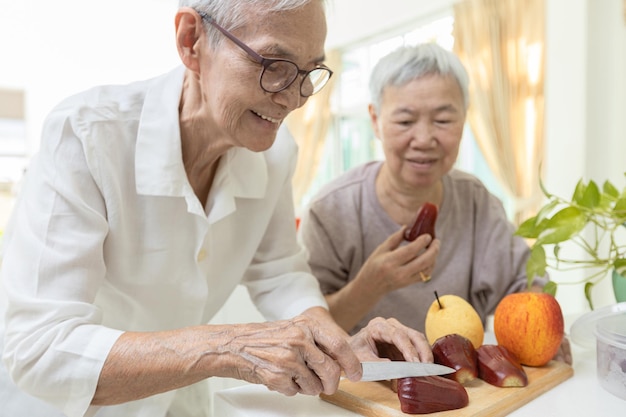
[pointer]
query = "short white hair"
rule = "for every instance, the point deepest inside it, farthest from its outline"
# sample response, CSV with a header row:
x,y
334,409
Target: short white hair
x,y
231,14
410,62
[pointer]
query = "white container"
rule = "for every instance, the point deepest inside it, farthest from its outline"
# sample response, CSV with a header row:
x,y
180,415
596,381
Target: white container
x,y
611,353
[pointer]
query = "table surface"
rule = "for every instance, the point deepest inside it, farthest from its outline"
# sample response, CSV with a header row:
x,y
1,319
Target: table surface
x,y
581,395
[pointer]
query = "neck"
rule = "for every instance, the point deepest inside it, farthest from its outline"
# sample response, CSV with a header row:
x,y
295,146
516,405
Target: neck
x,y
401,202
201,146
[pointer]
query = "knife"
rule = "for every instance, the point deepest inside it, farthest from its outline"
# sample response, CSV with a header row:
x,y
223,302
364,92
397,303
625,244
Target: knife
x,y
378,371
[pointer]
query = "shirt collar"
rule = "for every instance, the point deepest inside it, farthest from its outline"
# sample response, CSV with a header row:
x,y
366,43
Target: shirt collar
x,y
158,156
241,173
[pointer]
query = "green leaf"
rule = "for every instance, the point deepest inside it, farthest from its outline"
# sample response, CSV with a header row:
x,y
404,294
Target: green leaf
x,y
536,264
544,212
588,287
609,188
555,251
620,266
550,288
591,196
545,191
606,201
528,229
562,226
579,191
620,208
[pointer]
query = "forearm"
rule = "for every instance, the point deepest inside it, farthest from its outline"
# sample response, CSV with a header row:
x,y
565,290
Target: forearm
x,y
143,364
351,303
301,355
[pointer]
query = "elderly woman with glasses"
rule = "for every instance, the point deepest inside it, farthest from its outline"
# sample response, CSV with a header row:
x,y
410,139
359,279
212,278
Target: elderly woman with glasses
x,y
149,203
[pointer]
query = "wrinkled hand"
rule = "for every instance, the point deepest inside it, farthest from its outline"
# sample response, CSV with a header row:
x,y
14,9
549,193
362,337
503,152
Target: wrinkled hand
x,y
303,355
564,354
393,266
411,343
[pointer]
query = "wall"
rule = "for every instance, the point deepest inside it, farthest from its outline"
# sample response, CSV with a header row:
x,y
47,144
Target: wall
x,y
346,25
56,48
585,104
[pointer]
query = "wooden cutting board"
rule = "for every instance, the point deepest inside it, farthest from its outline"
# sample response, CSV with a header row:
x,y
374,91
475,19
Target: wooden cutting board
x,y
375,399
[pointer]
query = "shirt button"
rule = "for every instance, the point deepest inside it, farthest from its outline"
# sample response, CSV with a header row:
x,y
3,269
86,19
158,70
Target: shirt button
x,y
201,255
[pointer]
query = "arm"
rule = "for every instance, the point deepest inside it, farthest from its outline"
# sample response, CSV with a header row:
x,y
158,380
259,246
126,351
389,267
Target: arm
x,y
389,268
335,252
499,260
302,355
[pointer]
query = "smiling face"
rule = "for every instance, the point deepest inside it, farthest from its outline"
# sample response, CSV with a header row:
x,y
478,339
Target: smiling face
x,y
235,106
420,125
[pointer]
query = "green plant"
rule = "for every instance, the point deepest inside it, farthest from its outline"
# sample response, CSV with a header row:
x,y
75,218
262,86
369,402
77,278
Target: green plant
x,y
591,220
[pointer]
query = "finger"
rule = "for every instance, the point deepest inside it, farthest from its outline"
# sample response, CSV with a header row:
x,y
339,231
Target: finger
x,y
424,260
566,351
308,382
343,358
421,246
411,343
394,240
324,372
280,378
419,268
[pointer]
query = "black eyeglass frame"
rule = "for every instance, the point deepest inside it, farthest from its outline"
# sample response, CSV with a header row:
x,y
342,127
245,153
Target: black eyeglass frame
x,y
266,62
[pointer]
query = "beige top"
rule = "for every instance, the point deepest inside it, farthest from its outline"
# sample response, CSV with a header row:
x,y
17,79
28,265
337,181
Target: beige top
x,y
479,259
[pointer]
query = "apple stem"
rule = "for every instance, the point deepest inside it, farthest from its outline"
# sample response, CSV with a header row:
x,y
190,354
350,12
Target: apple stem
x,y
437,297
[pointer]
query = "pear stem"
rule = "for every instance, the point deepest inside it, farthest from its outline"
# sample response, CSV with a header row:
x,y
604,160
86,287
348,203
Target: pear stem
x,y
437,297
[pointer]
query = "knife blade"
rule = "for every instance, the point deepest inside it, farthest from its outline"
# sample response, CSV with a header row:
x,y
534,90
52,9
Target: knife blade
x,y
378,371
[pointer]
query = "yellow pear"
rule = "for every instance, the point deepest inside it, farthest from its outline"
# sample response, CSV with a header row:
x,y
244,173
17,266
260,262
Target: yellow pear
x,y
451,314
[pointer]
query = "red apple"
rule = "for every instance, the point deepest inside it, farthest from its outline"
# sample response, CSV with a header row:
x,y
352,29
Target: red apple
x,y
530,326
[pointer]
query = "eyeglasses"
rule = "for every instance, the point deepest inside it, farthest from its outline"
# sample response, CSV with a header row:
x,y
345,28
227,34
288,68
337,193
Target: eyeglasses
x,y
278,74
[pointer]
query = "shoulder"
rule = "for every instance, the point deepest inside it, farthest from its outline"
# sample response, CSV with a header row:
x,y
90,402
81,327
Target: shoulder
x,y
118,103
348,185
468,194
465,186
464,180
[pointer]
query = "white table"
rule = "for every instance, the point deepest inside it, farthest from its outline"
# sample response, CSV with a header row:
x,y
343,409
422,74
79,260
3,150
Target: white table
x,y
581,395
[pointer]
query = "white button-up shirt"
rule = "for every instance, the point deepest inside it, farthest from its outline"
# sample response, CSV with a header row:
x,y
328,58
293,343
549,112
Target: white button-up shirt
x,y
109,236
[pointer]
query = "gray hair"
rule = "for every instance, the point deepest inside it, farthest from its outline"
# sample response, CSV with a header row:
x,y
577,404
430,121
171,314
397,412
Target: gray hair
x,y
407,63
231,14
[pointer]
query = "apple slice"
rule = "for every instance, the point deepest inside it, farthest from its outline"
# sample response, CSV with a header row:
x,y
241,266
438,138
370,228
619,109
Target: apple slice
x,y
457,352
497,366
430,394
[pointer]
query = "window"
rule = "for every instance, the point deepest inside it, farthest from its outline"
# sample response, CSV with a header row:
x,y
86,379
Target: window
x,y
12,137
351,140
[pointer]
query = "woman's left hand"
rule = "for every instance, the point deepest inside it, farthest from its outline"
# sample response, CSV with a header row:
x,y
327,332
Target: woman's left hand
x,y
411,343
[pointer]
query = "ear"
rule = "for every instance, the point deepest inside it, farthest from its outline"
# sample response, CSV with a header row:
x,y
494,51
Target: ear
x,y
374,119
189,33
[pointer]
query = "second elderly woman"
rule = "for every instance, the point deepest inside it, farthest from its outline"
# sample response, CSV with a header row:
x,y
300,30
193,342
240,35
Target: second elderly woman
x,y
354,227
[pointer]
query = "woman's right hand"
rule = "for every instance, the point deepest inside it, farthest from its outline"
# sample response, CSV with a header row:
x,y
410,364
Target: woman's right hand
x,y
393,266
390,267
306,354
303,355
